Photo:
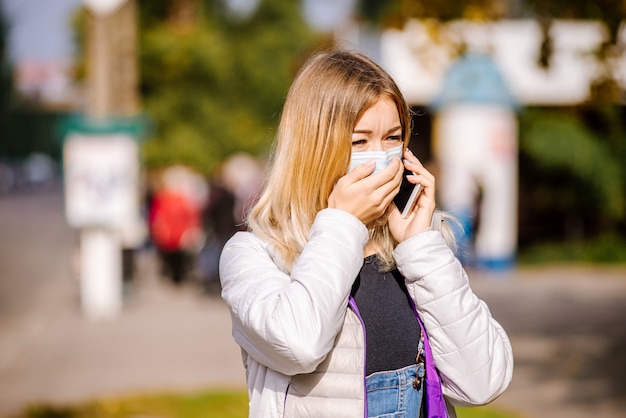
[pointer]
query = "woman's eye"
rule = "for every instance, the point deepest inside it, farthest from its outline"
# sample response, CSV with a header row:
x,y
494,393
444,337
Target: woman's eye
x,y
394,138
358,142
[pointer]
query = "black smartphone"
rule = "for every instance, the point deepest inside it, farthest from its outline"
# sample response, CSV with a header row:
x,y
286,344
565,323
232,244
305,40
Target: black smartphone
x,y
406,197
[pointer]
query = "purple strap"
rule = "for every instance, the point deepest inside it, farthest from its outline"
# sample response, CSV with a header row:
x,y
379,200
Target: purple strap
x,y
435,403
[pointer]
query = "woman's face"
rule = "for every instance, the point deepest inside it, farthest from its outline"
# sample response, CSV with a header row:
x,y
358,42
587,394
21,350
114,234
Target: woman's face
x,y
378,129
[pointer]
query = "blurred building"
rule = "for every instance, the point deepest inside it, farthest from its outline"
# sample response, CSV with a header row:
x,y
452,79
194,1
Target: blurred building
x,y
41,48
418,62
49,83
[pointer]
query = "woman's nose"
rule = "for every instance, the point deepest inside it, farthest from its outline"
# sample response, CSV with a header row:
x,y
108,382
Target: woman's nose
x,y
376,145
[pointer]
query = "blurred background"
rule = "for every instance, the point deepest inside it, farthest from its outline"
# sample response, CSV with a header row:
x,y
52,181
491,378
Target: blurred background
x,y
134,135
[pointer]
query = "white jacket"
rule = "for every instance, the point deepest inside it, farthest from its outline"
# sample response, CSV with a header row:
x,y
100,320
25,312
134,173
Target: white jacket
x,y
303,347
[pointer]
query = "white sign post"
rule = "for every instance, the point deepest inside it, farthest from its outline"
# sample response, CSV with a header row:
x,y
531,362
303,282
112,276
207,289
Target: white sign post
x,y
101,183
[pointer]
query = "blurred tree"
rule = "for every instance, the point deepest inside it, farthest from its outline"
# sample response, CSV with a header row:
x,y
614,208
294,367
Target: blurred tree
x,y
394,13
214,81
571,177
25,127
6,95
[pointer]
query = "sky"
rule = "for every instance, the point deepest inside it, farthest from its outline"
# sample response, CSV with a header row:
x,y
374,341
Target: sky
x,y
39,29
326,14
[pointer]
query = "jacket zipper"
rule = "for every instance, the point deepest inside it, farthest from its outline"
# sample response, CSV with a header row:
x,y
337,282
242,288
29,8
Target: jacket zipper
x,y
352,304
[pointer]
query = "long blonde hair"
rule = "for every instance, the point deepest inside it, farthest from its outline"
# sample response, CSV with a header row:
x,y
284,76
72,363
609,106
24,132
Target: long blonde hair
x,y
313,146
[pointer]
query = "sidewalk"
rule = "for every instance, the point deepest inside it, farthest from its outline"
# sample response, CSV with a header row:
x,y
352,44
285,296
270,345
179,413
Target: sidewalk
x,y
166,339
566,326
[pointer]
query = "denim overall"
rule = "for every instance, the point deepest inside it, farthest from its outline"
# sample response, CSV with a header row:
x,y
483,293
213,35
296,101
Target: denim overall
x,y
396,393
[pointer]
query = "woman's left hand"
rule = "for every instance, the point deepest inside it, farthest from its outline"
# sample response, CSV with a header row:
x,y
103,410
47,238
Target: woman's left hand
x,y
421,216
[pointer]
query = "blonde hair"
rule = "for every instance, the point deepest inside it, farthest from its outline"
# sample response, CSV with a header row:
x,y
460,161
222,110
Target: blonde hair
x,y
313,146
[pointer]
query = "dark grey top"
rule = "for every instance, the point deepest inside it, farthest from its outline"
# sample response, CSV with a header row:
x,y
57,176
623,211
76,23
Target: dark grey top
x,y
392,332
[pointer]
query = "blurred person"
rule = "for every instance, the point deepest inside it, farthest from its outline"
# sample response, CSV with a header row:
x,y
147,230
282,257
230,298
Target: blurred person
x,y
132,238
175,220
39,170
7,177
219,224
242,175
341,306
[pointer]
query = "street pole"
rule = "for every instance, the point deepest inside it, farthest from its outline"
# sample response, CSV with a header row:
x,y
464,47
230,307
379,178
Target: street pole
x,y
111,76
102,164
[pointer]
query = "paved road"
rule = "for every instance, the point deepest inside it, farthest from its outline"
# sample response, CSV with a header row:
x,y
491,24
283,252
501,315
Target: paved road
x,y
566,325
167,338
569,340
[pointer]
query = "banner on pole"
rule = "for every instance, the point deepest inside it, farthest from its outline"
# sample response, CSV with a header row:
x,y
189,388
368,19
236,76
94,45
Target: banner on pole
x,y
101,180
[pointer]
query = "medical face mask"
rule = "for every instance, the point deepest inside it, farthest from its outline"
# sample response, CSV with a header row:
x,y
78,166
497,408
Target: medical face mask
x,y
382,158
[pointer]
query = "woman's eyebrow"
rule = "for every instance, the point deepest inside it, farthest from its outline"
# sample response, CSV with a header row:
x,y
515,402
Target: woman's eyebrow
x,y
394,129
369,131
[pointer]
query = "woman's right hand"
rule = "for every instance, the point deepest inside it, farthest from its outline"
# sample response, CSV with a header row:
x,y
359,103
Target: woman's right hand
x,y
364,196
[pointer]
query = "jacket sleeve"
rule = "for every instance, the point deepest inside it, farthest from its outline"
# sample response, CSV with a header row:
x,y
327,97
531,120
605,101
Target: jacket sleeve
x,y
471,350
288,322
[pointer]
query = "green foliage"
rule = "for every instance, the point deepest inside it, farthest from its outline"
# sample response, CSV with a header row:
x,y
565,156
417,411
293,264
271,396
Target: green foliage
x,y
610,11
484,412
216,86
6,93
572,197
556,140
572,185
24,127
606,249
392,11
28,129
218,404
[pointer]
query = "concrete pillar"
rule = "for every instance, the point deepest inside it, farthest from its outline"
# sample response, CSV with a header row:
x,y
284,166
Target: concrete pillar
x,y
475,145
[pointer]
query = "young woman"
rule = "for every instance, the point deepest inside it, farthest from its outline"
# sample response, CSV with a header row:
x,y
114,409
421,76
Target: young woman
x,y
342,307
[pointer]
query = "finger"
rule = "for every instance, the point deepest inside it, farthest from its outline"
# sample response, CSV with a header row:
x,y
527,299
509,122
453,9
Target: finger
x,y
418,169
424,180
384,185
392,187
427,191
390,177
412,161
361,171
408,154
385,175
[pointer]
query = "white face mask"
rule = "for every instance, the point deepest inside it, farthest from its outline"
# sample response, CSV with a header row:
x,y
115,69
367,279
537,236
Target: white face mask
x,y
382,158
